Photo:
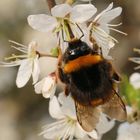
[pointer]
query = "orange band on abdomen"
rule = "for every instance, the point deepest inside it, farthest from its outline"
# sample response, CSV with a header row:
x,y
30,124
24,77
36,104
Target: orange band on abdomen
x,y
81,62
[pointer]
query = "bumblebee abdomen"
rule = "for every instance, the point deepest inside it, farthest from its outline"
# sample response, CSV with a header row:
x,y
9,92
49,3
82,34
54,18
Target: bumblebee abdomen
x,y
91,83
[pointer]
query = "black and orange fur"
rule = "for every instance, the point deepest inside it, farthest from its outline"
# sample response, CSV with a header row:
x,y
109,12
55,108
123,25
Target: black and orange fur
x,y
89,78
88,75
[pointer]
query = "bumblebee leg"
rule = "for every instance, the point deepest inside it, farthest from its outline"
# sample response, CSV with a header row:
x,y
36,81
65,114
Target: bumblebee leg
x,y
101,51
63,77
67,91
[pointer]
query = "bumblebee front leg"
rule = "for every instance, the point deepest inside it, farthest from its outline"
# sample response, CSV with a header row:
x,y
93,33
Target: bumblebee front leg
x,y
62,76
67,91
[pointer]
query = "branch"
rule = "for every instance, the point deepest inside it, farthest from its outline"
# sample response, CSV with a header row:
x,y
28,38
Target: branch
x,y
51,3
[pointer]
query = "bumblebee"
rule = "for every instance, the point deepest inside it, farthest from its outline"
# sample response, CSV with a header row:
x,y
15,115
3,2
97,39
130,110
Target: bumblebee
x,y
92,82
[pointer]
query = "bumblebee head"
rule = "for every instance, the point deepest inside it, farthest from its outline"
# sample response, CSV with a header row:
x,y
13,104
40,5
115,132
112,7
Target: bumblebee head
x,y
76,49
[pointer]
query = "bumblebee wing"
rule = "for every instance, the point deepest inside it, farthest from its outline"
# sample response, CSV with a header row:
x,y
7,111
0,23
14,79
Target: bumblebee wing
x,y
87,116
115,108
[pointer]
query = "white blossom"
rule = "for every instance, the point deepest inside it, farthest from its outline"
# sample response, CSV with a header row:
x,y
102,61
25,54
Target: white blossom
x,y
67,23
28,63
66,126
135,77
135,80
64,18
100,29
130,130
136,59
47,86
105,124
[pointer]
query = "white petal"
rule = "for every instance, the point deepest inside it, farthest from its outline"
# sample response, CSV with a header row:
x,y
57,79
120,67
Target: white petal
x,y
54,109
82,12
49,94
36,70
111,44
38,86
46,86
129,110
125,136
24,73
93,134
55,130
135,130
124,132
104,11
49,87
104,124
135,80
135,60
105,28
61,98
68,107
32,46
86,31
85,138
103,42
79,132
105,52
110,15
42,22
61,10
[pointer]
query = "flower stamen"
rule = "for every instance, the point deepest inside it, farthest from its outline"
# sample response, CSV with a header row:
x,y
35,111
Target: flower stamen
x,y
16,43
103,34
15,57
121,32
115,25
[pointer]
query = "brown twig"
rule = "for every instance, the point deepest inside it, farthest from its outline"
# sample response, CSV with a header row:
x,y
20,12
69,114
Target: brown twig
x,y
51,3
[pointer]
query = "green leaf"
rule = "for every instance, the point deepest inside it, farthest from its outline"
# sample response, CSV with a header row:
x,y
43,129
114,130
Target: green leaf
x,y
131,94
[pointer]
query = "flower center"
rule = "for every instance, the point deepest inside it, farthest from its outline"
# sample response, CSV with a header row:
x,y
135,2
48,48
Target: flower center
x,y
68,29
71,121
32,53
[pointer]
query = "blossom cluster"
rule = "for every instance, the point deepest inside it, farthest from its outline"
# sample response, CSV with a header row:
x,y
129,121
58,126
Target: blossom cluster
x,y
135,77
65,23
131,130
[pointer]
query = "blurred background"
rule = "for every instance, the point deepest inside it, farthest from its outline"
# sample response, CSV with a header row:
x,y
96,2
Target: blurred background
x,y
22,112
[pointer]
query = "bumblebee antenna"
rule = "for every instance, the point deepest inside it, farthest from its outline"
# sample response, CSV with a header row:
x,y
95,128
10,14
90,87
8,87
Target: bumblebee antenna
x,y
80,30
